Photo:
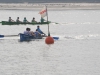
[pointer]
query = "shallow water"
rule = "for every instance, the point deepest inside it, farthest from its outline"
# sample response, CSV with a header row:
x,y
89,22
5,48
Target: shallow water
x,y
75,53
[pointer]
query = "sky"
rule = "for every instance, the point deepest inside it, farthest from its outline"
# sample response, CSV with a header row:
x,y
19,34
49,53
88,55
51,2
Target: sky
x,y
50,1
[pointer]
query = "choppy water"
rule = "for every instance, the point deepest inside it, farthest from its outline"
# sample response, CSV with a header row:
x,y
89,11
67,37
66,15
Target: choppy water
x,y
75,53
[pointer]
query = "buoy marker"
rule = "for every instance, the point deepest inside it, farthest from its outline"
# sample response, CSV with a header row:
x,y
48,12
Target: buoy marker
x,y
49,39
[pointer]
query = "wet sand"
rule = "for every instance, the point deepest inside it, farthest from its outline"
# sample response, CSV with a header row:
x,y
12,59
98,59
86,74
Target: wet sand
x,y
51,6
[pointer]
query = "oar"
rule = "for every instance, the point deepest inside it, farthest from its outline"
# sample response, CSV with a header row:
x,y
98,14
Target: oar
x,y
54,22
1,36
56,38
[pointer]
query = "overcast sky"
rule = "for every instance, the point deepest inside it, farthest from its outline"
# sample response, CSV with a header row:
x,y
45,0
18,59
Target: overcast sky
x,y
50,1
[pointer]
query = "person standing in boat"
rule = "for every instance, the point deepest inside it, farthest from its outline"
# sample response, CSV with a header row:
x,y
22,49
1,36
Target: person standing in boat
x,y
10,20
29,32
25,20
18,20
33,20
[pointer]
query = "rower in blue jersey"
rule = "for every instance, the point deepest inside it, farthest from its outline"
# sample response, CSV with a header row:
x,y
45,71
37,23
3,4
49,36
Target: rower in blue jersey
x,y
40,31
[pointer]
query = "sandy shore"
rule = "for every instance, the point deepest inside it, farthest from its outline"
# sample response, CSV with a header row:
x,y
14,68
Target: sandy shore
x,y
51,6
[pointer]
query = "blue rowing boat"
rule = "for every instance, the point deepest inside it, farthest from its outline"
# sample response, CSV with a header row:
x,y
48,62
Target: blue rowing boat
x,y
24,37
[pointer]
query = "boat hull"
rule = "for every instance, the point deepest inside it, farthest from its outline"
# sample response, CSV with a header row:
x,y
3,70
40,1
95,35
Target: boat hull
x,y
24,37
24,23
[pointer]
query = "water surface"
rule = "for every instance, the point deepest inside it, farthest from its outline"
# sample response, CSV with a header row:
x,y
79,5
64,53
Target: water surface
x,y
75,53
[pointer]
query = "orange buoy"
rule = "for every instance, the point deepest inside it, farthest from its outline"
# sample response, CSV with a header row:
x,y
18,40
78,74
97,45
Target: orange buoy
x,y
49,40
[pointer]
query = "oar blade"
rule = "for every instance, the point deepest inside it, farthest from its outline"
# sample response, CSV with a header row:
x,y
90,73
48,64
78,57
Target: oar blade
x,y
56,38
1,36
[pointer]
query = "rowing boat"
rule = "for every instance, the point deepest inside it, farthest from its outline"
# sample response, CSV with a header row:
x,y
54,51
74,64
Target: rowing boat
x,y
24,23
24,37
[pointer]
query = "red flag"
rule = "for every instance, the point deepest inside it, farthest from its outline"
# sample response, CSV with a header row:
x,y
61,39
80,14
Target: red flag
x,y
43,12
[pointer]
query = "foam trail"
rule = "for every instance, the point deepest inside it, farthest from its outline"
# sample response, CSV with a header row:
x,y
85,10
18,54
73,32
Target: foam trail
x,y
87,36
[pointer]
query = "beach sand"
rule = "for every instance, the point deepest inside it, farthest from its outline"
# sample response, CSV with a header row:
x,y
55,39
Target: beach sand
x,y
51,6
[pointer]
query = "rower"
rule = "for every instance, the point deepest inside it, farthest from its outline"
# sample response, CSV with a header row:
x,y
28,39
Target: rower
x,y
10,20
28,32
33,20
18,20
42,20
40,31
25,20
37,34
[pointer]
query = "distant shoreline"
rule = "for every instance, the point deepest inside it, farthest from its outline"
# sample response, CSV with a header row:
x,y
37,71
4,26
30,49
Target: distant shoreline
x,y
51,6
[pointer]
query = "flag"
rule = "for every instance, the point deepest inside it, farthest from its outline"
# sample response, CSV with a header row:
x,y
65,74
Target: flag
x,y
43,12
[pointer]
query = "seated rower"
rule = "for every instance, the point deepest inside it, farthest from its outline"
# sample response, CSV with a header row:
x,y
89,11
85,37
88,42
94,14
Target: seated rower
x,y
33,20
25,20
28,32
37,34
10,20
39,30
18,20
42,20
